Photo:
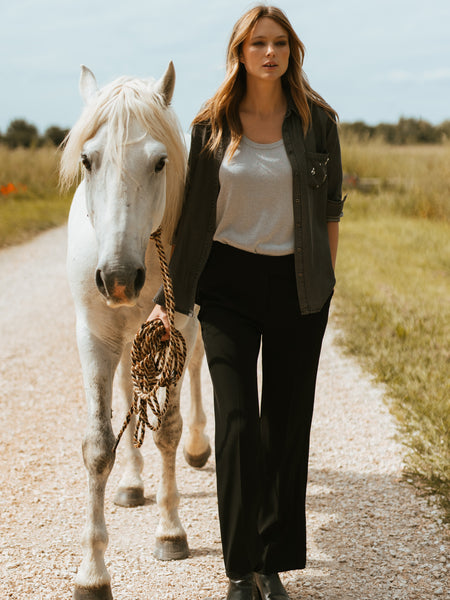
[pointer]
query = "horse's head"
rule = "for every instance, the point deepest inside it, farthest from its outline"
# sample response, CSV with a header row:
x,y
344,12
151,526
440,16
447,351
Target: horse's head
x,y
133,158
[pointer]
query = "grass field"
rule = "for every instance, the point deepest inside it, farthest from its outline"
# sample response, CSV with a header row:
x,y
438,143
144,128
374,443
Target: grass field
x,y
392,295
411,181
393,278
29,197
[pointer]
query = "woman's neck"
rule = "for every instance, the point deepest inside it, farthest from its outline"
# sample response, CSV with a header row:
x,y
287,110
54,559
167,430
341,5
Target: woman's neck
x,y
263,98
262,111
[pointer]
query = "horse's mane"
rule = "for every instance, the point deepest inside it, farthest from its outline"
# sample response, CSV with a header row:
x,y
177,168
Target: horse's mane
x,y
113,106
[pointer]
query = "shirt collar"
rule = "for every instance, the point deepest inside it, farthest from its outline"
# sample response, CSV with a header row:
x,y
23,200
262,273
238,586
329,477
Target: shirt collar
x,y
291,106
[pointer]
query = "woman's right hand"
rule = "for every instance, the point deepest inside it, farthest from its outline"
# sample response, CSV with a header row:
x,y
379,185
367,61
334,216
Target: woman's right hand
x,y
159,312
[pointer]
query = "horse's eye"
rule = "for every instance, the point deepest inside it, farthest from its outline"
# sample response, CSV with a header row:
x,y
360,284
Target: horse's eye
x,y
86,162
160,165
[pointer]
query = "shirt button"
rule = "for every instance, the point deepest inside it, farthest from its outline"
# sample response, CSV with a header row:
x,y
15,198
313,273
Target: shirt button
x,y
297,200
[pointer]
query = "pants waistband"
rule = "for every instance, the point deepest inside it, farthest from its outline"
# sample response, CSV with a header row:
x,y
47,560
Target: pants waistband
x,y
250,260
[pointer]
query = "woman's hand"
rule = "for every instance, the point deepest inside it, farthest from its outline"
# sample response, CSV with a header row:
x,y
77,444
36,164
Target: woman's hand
x,y
159,312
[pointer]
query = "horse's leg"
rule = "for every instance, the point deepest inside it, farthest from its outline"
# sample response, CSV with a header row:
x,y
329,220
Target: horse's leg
x,y
171,541
131,487
98,363
197,449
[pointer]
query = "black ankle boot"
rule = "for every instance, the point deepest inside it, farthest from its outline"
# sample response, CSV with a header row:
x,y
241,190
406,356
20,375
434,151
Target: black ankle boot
x,y
270,587
242,589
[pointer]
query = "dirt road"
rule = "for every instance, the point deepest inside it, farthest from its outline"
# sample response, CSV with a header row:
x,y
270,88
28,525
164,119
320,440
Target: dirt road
x,y
370,536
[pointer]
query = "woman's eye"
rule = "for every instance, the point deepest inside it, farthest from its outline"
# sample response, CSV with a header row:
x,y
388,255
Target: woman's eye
x,y
86,162
160,165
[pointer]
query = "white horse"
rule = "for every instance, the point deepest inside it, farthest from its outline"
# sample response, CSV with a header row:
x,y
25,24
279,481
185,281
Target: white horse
x,y
134,160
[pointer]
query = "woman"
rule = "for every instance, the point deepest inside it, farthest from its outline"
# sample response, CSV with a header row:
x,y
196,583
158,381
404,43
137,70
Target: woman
x,y
255,248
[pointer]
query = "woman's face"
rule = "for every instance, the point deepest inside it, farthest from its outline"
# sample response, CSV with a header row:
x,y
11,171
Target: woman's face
x,y
265,52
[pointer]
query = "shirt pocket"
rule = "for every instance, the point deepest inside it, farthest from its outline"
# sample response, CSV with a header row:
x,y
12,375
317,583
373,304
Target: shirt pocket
x,y
317,168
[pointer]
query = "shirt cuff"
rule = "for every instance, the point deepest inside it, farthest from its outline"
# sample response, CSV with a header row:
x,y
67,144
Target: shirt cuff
x,y
160,298
334,209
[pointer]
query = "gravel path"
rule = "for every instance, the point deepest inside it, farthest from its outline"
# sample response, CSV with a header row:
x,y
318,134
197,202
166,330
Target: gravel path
x,y
370,536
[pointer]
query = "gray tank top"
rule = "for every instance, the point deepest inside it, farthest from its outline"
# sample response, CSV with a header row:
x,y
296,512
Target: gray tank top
x,y
254,206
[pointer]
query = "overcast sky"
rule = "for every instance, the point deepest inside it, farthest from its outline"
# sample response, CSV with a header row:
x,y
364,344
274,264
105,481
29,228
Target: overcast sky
x,y
373,60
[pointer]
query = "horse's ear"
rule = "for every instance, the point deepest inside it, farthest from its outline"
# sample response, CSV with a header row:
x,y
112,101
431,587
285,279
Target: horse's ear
x,y
165,86
88,84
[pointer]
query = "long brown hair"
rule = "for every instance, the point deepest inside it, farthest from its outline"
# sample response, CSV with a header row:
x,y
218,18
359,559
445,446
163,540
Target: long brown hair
x,y
222,110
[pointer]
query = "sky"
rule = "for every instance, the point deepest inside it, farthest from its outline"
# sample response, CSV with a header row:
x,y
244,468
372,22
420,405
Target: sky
x,y
372,60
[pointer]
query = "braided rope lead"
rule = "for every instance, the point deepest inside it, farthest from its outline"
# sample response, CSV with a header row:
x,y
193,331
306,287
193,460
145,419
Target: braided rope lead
x,y
155,364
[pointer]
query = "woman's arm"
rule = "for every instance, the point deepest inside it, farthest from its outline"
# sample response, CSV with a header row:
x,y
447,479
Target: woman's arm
x,y
335,200
333,238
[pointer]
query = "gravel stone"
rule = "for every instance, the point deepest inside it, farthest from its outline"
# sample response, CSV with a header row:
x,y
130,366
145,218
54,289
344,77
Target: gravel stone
x,y
371,536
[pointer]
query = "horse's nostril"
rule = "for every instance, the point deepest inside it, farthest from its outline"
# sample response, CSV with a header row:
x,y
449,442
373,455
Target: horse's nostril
x,y
139,281
99,281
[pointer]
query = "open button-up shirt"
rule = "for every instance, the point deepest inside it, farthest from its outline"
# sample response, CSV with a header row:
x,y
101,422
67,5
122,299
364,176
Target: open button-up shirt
x,y
317,200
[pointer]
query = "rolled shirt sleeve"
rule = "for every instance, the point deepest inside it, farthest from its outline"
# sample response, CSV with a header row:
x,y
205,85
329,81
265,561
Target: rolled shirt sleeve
x,y
335,202
335,210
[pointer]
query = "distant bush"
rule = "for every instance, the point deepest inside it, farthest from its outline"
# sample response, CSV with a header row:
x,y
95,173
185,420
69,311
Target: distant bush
x,y
406,131
21,133
55,135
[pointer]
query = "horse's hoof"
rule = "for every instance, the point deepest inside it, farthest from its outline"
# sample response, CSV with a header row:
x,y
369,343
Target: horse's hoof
x,y
198,461
174,548
103,592
129,497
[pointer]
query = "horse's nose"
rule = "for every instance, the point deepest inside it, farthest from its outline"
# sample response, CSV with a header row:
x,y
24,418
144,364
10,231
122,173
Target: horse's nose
x,y
121,287
101,285
139,281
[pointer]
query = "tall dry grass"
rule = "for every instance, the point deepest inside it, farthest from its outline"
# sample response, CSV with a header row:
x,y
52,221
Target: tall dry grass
x,y
37,168
412,180
37,203
393,289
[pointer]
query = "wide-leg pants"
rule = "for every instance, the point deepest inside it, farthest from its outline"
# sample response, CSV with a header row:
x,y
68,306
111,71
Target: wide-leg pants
x,y
249,301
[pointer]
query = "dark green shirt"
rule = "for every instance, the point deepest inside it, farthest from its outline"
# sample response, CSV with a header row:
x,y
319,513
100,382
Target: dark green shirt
x,y
317,199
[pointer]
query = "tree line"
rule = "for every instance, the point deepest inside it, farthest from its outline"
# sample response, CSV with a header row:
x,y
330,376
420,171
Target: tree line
x,y
20,133
406,131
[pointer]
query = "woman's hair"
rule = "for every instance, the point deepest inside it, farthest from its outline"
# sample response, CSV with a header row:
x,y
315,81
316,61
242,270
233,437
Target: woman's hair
x,y
223,108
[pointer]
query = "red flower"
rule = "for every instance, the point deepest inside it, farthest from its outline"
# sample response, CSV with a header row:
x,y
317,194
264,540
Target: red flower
x,y
9,188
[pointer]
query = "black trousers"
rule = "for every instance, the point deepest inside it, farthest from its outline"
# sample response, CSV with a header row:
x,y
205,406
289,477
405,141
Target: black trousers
x,y
250,301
